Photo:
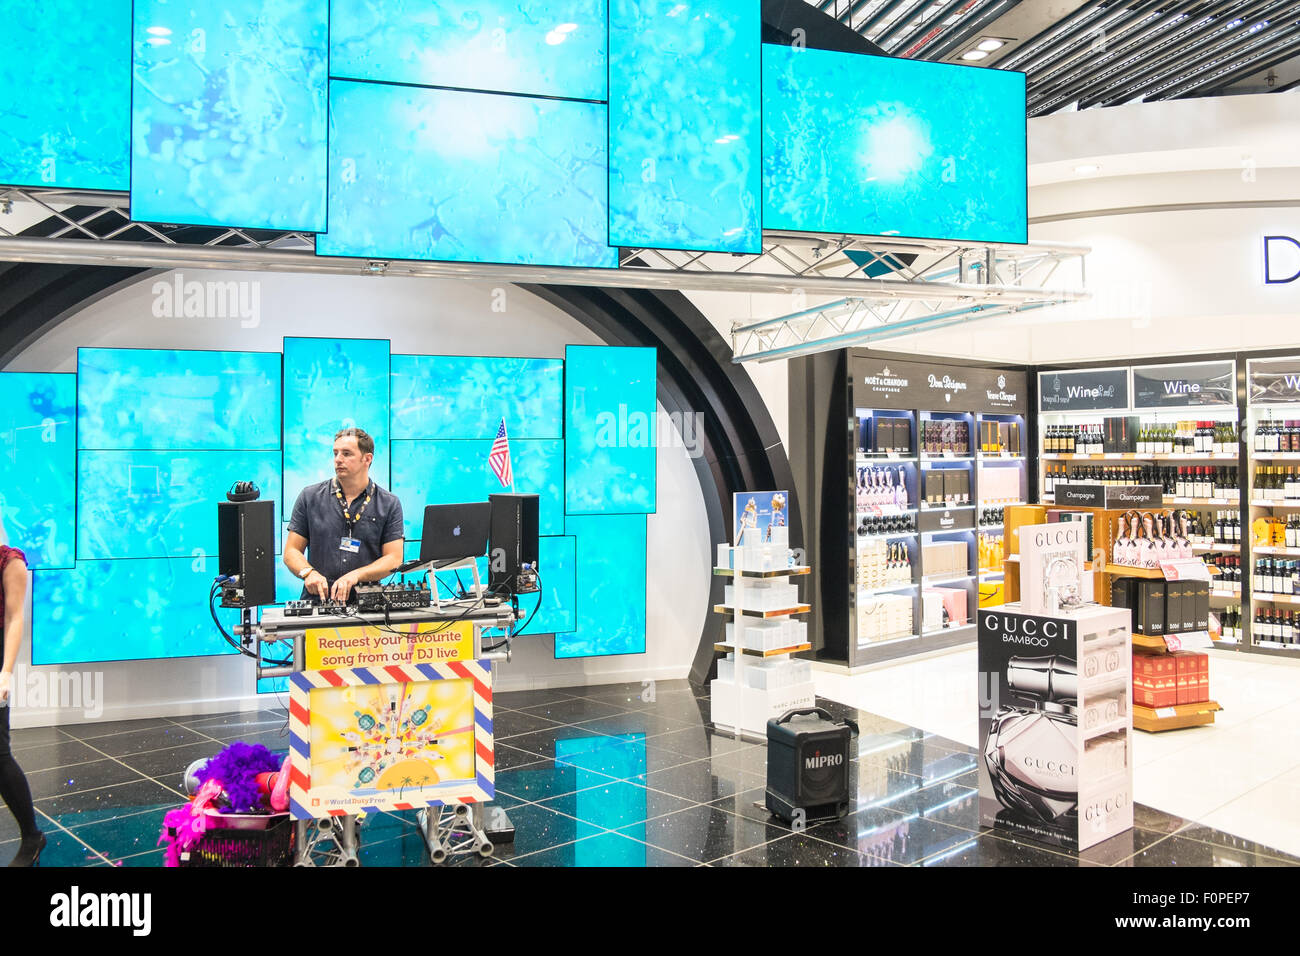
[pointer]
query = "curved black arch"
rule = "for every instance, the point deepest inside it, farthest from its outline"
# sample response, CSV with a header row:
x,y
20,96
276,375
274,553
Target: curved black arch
x,y
741,449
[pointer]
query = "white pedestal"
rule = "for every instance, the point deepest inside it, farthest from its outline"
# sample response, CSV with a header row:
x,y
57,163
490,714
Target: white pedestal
x,y
748,709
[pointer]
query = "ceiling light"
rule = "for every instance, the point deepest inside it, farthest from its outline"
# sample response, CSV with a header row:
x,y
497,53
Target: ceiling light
x,y
159,31
566,28
989,45
1087,169
554,38
974,55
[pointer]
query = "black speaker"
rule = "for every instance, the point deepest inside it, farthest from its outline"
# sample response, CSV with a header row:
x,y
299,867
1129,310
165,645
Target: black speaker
x,y
246,546
512,542
808,764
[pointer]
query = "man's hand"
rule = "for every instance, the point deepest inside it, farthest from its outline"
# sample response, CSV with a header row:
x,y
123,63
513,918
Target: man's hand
x,y
316,584
344,585
5,678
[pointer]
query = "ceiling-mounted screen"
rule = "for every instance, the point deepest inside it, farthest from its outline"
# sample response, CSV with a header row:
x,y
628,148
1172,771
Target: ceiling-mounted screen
x,y
534,47
873,145
522,180
228,113
684,143
65,94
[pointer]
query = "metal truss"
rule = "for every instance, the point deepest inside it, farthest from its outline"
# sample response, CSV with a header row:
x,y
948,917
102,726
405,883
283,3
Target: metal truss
x,y
891,283
942,287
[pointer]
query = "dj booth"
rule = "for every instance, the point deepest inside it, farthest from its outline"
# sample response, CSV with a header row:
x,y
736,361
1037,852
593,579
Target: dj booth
x,y
390,699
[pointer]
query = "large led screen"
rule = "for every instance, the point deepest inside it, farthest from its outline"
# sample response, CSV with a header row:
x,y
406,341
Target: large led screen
x,y
609,447
329,385
229,112
65,94
535,47
459,396
125,611
162,504
684,157
38,465
449,472
171,399
611,586
469,177
876,145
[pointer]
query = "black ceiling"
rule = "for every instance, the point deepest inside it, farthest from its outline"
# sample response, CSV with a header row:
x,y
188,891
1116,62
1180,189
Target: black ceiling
x,y
1086,53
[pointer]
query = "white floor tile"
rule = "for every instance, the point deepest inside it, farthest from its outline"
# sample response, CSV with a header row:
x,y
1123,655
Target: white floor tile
x,y
1240,775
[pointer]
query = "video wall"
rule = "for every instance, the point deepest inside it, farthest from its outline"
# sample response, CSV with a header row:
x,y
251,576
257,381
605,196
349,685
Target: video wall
x,y
540,132
110,478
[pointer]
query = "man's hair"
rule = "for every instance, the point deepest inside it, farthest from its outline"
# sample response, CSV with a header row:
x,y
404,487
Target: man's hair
x,y
364,442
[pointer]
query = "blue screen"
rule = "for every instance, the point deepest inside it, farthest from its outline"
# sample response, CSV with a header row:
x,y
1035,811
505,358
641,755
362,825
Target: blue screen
x,y
38,465
557,569
610,430
65,94
521,180
449,472
126,610
881,146
611,586
170,399
229,113
455,396
684,142
537,47
162,504
331,384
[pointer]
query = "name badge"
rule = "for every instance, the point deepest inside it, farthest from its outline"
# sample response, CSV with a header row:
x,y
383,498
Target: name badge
x,y
351,545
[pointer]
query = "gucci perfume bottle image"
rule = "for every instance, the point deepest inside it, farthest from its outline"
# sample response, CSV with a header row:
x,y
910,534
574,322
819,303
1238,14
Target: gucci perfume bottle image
x,y
1031,753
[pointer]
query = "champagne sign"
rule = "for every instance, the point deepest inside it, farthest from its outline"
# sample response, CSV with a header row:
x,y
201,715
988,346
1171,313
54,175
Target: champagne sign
x,y
1179,386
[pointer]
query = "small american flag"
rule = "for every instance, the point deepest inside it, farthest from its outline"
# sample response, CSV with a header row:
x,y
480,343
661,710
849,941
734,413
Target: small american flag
x,y
499,457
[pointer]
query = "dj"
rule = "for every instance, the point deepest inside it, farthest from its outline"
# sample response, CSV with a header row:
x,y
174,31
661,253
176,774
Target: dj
x,y
350,528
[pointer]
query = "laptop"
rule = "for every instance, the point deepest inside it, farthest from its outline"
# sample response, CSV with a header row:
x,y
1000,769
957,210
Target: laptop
x,y
455,532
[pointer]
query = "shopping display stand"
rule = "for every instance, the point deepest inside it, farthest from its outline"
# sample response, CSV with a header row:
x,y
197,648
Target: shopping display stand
x,y
738,706
1105,520
1055,743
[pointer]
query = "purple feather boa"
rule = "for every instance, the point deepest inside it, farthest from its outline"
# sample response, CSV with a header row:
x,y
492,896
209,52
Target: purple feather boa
x,y
236,769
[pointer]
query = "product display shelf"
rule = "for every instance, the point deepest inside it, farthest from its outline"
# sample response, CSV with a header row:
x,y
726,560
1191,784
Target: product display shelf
x,y
1272,414
1134,456
753,685
1177,717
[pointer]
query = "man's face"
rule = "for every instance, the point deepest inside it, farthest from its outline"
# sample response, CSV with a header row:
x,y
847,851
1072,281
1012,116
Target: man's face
x,y
348,460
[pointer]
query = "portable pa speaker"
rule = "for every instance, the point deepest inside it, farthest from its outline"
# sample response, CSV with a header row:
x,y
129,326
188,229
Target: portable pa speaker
x,y
246,546
512,541
808,764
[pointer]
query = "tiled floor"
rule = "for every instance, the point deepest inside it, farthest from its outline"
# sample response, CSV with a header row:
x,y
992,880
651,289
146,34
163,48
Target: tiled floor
x,y
1240,775
600,777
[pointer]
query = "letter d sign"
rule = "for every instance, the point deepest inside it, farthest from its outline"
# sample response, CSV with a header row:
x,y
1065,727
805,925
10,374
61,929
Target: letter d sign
x,y
1275,250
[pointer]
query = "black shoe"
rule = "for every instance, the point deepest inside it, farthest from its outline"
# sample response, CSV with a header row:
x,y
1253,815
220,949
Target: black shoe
x,y
29,851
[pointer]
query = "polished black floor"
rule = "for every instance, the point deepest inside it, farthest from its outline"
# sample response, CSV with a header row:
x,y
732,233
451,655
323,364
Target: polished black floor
x,y
600,776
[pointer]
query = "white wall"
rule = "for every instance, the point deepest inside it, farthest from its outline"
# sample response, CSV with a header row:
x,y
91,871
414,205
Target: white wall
x,y
431,316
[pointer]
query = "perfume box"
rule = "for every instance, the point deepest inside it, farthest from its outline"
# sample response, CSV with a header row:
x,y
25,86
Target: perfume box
x,y
1052,559
954,602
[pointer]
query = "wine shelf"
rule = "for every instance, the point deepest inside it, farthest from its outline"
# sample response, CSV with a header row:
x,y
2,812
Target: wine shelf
x,y
1286,552
1134,456
1261,503
1266,598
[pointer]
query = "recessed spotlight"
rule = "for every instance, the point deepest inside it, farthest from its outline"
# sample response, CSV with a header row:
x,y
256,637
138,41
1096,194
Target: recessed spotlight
x,y
1087,169
554,38
991,44
974,55
159,31
566,27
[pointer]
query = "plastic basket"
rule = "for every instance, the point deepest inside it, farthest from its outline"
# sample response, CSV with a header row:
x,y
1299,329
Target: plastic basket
x,y
234,839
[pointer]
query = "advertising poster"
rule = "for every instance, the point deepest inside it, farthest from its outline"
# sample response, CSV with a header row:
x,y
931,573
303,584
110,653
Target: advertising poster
x,y
429,642
761,517
390,738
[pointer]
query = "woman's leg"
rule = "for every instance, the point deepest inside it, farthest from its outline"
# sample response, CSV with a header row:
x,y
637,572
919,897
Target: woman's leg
x,y
13,784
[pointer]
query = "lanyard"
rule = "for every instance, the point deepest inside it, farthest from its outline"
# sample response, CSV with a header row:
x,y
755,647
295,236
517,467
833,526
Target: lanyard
x,y
349,518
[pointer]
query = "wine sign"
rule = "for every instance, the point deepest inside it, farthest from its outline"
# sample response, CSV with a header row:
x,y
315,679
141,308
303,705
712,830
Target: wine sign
x,y
1178,386
1102,389
1274,381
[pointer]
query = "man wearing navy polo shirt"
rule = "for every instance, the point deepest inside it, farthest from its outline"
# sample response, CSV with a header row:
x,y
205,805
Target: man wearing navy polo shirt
x,y
349,528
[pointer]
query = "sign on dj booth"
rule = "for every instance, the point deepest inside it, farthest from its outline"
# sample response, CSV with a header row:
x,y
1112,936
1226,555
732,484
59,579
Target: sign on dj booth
x,y
396,737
